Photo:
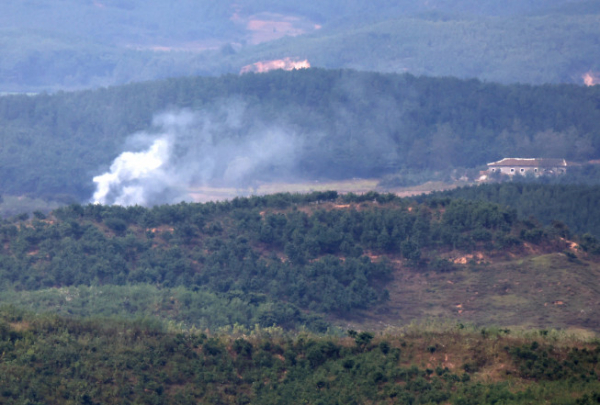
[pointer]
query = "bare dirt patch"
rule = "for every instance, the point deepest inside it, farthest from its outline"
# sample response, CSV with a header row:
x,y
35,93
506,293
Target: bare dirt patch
x,y
264,27
539,291
161,229
357,186
476,257
19,326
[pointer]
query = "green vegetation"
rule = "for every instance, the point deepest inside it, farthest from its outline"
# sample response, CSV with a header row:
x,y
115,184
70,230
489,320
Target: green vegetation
x,y
319,298
498,49
184,307
569,208
245,301
53,360
286,259
348,124
52,45
23,206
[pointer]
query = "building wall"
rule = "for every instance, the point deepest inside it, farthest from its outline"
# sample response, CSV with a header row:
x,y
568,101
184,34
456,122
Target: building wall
x,y
523,170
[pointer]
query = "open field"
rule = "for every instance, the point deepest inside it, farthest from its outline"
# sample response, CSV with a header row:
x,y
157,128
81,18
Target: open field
x,y
14,205
357,186
541,291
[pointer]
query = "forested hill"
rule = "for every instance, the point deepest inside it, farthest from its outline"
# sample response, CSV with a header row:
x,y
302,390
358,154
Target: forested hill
x,y
576,205
56,361
49,45
285,260
341,123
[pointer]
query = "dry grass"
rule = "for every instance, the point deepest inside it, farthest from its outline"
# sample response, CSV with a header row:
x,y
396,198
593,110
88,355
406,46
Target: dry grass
x,y
20,326
536,292
357,186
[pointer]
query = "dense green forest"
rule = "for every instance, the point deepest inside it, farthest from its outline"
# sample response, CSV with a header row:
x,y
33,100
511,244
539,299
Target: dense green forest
x,y
505,50
53,360
115,20
327,123
49,45
285,260
576,205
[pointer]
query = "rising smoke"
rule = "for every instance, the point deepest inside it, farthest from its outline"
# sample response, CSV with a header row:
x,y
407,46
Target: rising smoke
x,y
221,147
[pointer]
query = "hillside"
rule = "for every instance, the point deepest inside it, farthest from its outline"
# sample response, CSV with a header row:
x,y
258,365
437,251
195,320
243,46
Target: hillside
x,y
55,360
496,49
372,261
314,124
66,45
566,201
169,233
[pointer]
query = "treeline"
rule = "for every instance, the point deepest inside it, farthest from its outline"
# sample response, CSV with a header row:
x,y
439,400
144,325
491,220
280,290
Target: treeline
x,y
443,43
278,254
575,205
186,308
53,360
506,43
348,124
185,245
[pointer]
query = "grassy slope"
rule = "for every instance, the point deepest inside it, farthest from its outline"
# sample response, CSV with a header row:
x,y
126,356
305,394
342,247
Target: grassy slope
x,y
544,290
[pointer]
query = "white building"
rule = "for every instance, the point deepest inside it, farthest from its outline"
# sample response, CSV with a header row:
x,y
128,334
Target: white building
x,y
536,166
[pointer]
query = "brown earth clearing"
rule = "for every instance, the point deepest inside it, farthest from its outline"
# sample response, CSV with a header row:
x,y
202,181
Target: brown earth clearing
x,y
541,291
357,186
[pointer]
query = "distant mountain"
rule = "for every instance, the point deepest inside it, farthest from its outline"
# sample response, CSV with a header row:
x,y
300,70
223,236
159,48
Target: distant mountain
x,y
49,45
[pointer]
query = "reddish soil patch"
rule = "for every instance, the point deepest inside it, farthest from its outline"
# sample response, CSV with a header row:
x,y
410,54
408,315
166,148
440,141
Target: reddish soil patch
x,y
161,229
478,257
265,27
284,64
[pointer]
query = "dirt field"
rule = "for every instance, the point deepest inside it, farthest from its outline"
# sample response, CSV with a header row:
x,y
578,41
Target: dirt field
x,y
358,186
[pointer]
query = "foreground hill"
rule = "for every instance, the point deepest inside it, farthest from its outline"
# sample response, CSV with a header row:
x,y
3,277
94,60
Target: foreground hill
x,y
318,260
52,360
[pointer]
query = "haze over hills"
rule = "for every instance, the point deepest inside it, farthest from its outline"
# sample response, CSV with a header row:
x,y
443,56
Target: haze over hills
x,y
49,45
154,141
116,288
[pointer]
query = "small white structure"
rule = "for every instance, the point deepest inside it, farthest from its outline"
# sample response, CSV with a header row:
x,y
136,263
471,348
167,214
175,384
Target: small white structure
x,y
536,166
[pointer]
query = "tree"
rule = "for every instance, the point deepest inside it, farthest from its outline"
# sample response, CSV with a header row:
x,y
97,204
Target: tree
x,y
363,339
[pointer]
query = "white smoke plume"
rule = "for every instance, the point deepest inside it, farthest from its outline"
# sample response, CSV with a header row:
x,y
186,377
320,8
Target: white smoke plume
x,y
223,147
